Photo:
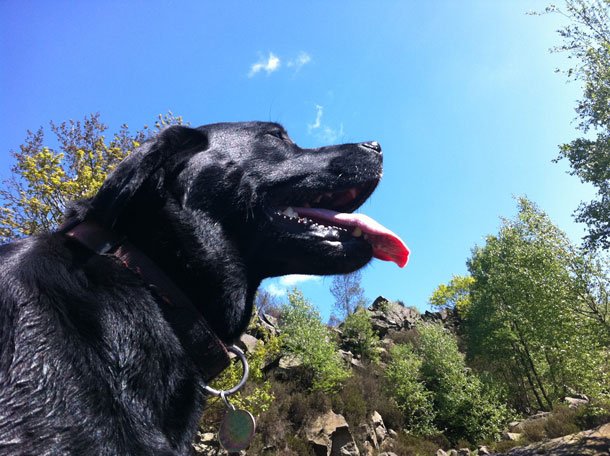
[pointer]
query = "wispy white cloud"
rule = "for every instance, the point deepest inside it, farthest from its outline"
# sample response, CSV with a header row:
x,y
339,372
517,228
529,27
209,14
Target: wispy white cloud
x,y
302,59
284,284
318,121
276,290
294,279
269,65
323,132
331,135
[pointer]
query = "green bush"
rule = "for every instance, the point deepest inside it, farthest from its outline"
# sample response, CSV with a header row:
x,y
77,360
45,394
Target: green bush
x,y
594,413
359,335
405,385
305,336
464,406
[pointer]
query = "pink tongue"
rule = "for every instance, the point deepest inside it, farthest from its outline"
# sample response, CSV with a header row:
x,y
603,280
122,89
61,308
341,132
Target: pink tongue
x,y
386,245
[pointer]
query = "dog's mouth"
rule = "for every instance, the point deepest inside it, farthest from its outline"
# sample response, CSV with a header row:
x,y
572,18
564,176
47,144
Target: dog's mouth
x,y
330,215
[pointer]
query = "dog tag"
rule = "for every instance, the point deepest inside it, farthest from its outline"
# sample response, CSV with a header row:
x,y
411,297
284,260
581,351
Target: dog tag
x,y
236,430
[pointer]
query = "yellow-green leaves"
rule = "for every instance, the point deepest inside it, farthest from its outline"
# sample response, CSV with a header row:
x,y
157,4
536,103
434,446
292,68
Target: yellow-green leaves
x,y
48,174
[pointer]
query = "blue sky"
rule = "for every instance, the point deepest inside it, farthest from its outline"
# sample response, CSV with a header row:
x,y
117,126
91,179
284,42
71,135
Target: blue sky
x,y
462,95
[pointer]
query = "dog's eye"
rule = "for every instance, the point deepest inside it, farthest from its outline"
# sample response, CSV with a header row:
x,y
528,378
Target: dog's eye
x,y
279,134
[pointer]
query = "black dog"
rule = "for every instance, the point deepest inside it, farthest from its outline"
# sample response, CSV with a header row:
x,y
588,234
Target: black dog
x,y
110,326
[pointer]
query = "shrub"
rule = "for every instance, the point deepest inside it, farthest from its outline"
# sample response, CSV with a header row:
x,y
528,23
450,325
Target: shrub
x,y
562,421
464,406
411,445
305,336
359,335
594,413
405,385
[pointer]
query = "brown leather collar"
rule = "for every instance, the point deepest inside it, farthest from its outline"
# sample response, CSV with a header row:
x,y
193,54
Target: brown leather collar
x,y
206,350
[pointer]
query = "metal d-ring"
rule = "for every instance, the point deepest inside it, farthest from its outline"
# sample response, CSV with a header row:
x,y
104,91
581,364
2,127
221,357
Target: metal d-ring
x,y
242,382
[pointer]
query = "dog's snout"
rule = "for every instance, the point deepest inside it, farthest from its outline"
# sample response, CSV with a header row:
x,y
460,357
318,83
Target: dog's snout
x,y
372,145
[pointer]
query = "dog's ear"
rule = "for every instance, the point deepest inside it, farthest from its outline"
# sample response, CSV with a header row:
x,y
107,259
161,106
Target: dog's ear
x,y
125,181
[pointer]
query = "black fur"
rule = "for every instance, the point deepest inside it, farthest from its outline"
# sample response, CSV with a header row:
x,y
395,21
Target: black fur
x,y
88,361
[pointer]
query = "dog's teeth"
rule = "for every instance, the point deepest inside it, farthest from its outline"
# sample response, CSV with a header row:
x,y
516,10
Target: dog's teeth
x,y
290,212
357,232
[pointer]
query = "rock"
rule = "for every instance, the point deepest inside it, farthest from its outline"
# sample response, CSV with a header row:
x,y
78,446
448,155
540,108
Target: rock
x,y
369,449
386,316
449,318
265,323
513,436
347,356
483,451
287,366
575,402
288,362
452,453
441,452
374,432
329,435
518,426
248,343
463,452
392,433
206,444
387,453
379,427
356,363
594,442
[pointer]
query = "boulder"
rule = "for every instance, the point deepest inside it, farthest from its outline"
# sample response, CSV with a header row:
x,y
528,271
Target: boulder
x,y
248,343
575,402
329,435
206,444
518,426
513,436
379,427
594,442
386,316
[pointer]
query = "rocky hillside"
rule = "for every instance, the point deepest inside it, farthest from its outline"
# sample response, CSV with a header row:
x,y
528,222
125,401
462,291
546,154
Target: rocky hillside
x,y
310,424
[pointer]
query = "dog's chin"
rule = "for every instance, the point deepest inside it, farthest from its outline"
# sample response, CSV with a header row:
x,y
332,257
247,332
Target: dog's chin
x,y
310,248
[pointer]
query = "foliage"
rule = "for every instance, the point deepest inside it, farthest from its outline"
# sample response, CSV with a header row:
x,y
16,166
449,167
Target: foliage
x,y
257,395
305,336
359,335
587,40
348,293
45,177
465,408
533,320
455,294
405,385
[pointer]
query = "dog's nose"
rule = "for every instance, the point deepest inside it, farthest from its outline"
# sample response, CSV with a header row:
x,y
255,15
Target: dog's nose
x,y
372,145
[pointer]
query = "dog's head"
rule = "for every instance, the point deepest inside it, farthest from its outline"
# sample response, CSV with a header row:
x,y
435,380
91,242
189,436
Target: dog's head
x,y
248,191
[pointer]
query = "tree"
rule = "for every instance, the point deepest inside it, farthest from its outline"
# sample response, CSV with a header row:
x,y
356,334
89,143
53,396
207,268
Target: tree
x,y
267,304
454,295
587,40
465,408
348,293
529,323
45,177
308,339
